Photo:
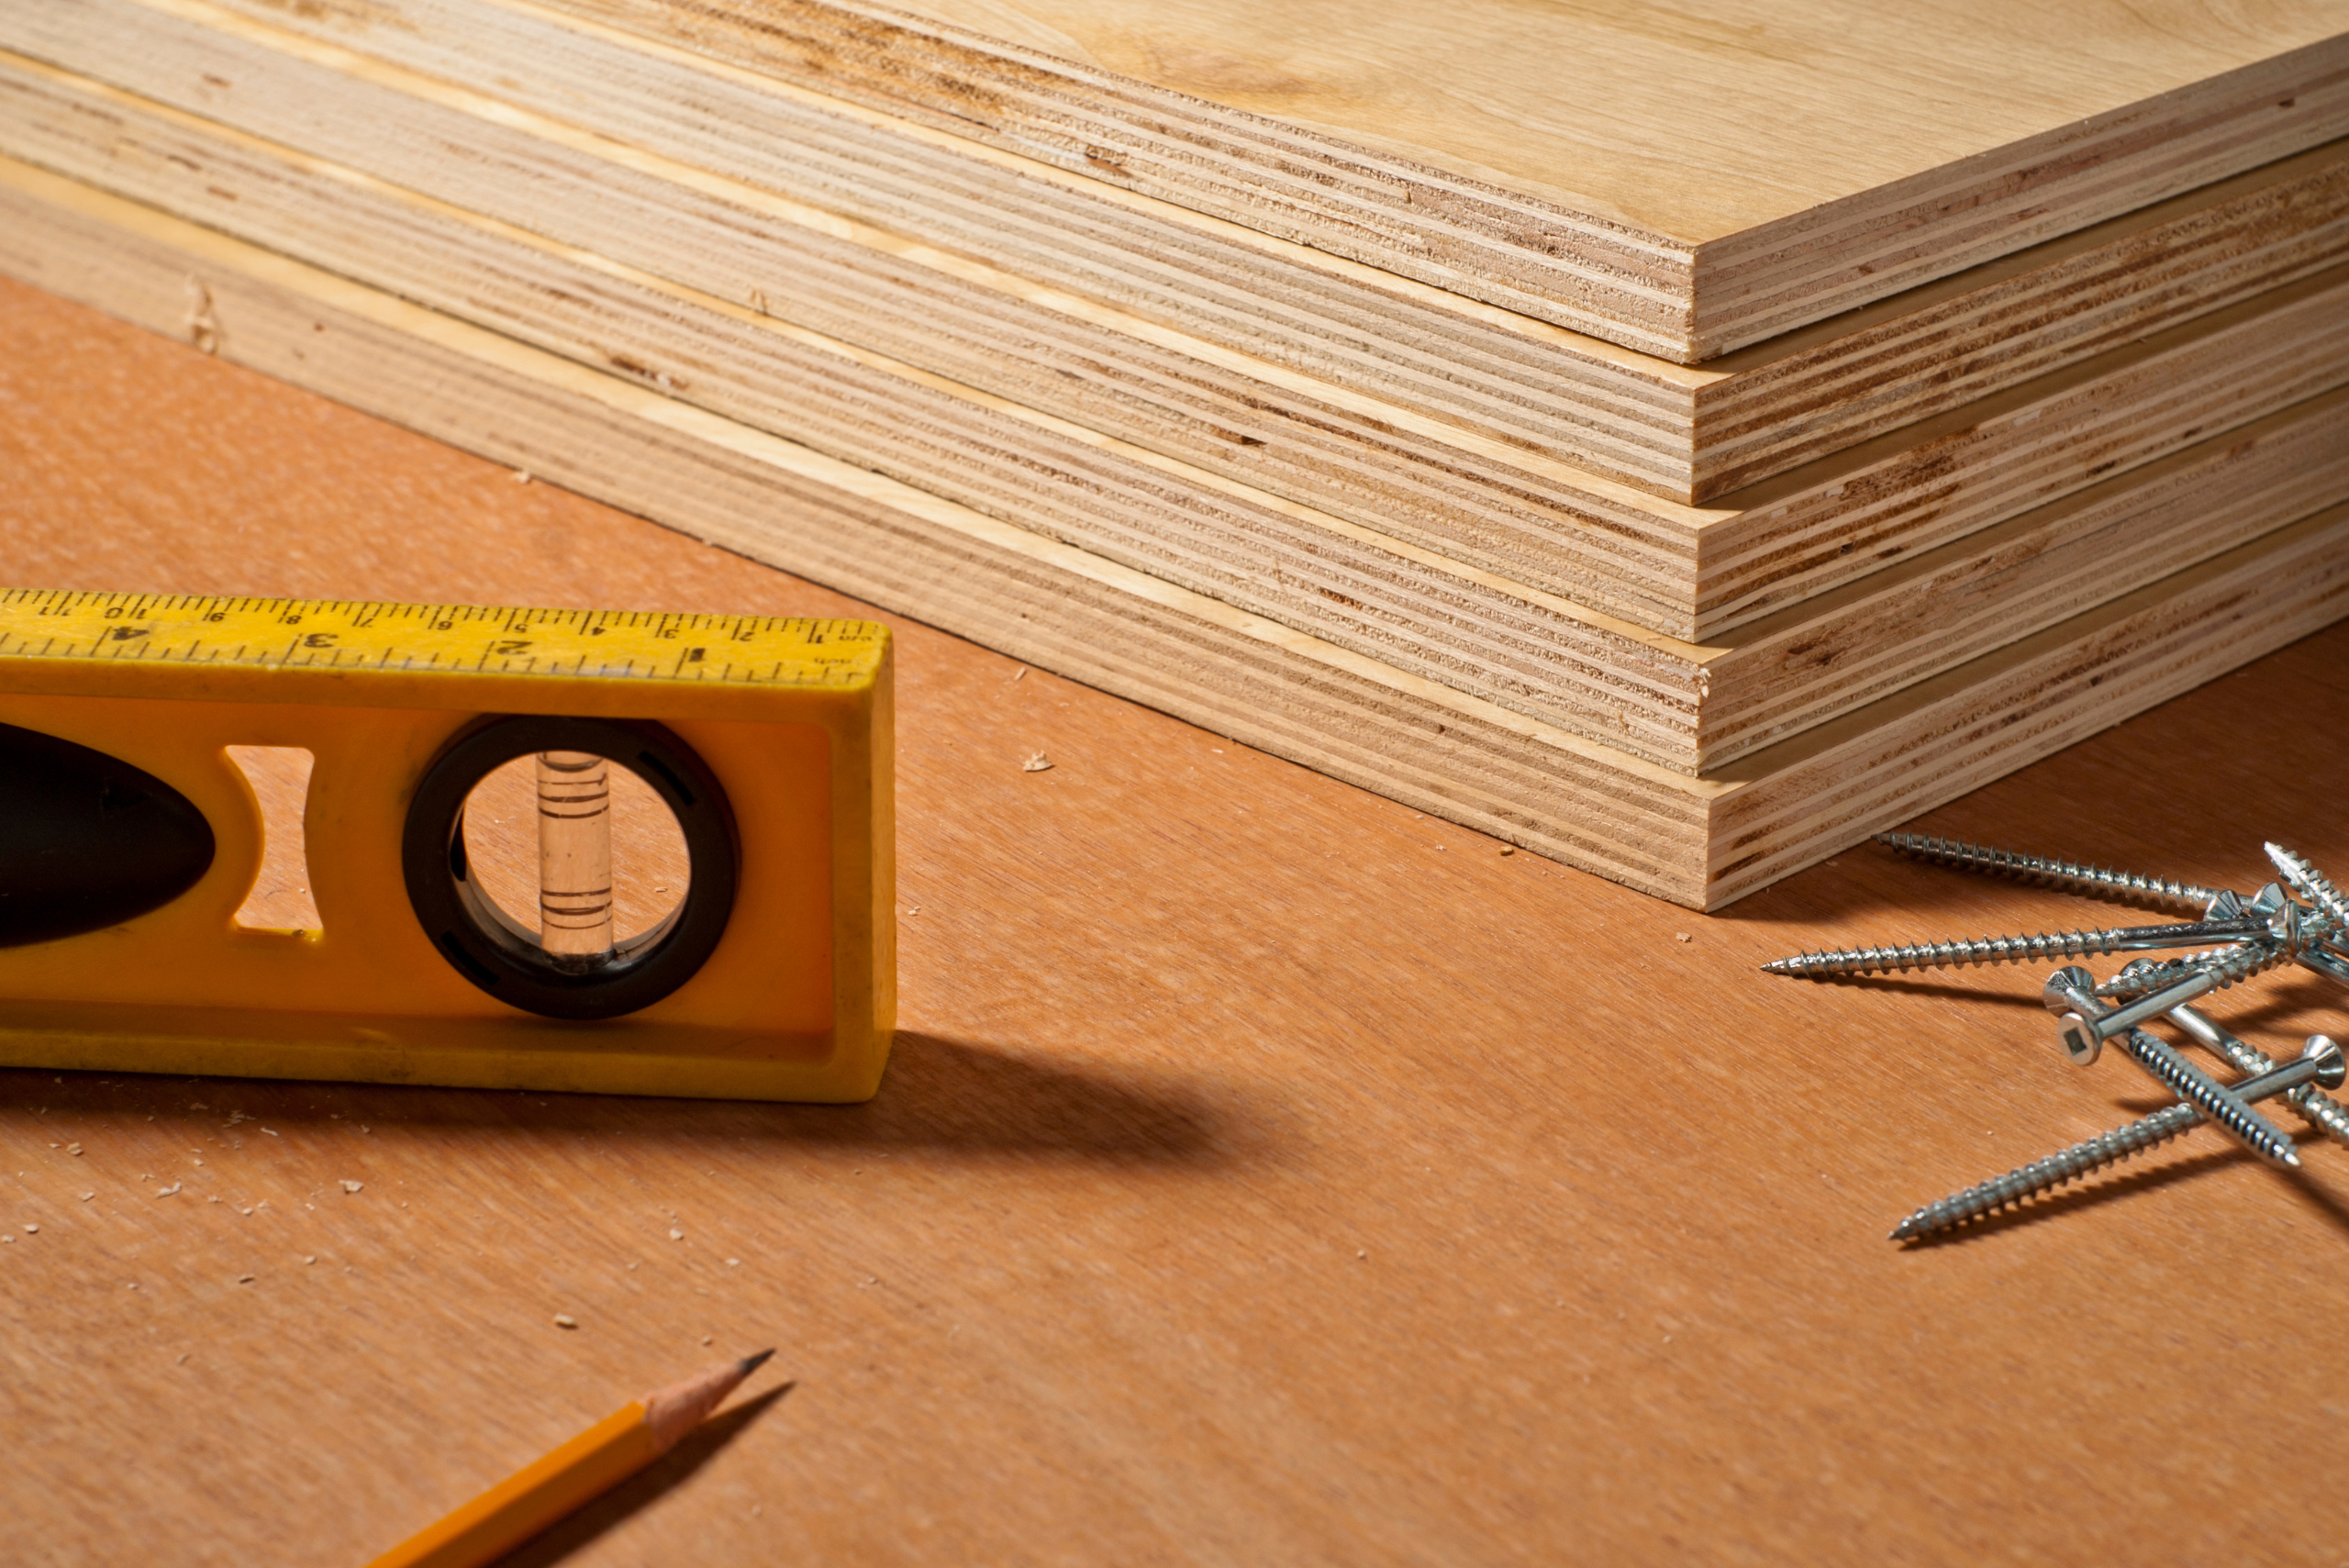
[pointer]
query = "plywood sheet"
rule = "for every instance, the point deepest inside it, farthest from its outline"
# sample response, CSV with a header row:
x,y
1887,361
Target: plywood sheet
x,y
888,234
1705,178
1284,307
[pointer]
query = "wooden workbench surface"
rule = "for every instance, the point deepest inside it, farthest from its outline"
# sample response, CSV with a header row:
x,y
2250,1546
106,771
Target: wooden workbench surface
x,y
1265,1174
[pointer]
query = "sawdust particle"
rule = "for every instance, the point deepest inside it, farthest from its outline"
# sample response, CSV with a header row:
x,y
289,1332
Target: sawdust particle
x,y
566,1321
1037,763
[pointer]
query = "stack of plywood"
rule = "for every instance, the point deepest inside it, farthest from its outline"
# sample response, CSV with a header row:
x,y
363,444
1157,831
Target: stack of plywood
x,y
1680,442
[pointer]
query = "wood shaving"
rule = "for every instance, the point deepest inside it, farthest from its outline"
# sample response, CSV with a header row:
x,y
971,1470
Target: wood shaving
x,y
675,1234
166,1192
312,1258
1508,849
566,1321
1038,763
72,1149
244,1279
353,1186
32,1230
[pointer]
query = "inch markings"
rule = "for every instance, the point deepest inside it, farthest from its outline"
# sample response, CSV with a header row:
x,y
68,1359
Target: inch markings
x,y
453,639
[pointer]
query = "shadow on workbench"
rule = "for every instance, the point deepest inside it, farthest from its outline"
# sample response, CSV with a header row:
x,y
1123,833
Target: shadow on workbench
x,y
696,1448
944,1096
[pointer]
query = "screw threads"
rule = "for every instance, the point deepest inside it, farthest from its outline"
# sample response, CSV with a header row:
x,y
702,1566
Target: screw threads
x,y
2228,966
2190,1083
2048,872
2044,1175
2316,1107
2311,883
2321,1111
1960,954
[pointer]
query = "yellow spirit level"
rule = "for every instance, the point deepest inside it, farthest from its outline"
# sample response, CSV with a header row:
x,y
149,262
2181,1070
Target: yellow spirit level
x,y
128,839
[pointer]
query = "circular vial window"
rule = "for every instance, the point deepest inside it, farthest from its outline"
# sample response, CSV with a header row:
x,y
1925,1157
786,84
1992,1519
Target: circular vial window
x,y
576,868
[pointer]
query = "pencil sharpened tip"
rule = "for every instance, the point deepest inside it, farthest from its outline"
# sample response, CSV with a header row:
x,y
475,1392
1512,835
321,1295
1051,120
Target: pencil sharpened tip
x,y
752,1363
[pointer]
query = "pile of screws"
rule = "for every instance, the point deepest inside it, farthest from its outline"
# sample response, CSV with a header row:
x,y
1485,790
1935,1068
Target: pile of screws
x,y
2250,934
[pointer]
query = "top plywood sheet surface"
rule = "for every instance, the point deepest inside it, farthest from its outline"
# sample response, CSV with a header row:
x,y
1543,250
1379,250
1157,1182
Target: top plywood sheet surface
x,y
1745,163
1693,122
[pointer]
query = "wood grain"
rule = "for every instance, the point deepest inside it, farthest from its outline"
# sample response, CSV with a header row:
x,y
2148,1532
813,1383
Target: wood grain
x,y
1841,152
1561,660
1211,1212
1263,307
1703,842
1493,498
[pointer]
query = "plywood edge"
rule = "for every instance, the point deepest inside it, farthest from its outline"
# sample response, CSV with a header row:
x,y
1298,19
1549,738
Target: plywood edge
x,y
2030,707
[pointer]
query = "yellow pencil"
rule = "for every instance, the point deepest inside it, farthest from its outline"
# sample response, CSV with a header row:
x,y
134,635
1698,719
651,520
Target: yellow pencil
x,y
587,1466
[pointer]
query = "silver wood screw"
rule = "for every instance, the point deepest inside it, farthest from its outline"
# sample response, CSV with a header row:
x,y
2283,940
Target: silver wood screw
x,y
2331,965
2319,1109
2073,876
2015,949
2229,966
2227,1110
2320,1063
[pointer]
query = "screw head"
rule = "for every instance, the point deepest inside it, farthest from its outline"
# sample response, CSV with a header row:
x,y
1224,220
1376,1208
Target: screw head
x,y
2081,1042
2333,1069
2056,995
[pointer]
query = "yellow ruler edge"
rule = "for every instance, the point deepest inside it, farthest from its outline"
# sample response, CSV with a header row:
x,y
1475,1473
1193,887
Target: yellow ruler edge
x,y
354,637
